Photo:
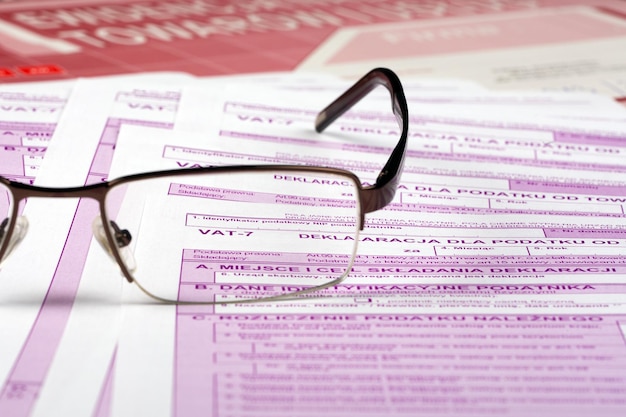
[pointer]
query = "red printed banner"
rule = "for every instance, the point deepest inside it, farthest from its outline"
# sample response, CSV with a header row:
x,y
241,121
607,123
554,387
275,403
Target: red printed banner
x,y
202,37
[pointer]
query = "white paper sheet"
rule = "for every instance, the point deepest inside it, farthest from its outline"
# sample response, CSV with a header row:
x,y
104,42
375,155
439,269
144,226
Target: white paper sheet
x,y
38,304
90,138
81,155
466,296
569,49
28,117
499,222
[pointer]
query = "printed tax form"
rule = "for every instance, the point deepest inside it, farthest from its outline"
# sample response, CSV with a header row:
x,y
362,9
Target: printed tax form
x,y
492,284
38,291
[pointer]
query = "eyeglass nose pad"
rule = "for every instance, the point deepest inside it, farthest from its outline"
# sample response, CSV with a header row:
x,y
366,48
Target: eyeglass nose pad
x,y
19,231
124,251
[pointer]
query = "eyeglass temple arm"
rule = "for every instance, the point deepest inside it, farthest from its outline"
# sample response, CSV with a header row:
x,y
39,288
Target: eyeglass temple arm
x,y
382,192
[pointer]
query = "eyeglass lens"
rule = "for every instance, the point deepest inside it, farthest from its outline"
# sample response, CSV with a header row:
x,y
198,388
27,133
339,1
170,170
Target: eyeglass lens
x,y
219,226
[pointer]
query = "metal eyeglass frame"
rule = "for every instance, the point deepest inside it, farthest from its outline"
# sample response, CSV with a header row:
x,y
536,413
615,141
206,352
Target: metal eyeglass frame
x,y
370,198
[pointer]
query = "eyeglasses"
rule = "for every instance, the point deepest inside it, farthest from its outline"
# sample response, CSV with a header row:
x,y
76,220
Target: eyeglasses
x,y
226,234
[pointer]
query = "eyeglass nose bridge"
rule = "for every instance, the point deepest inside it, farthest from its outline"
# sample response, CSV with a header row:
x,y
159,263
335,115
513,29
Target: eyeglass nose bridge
x,y
97,192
